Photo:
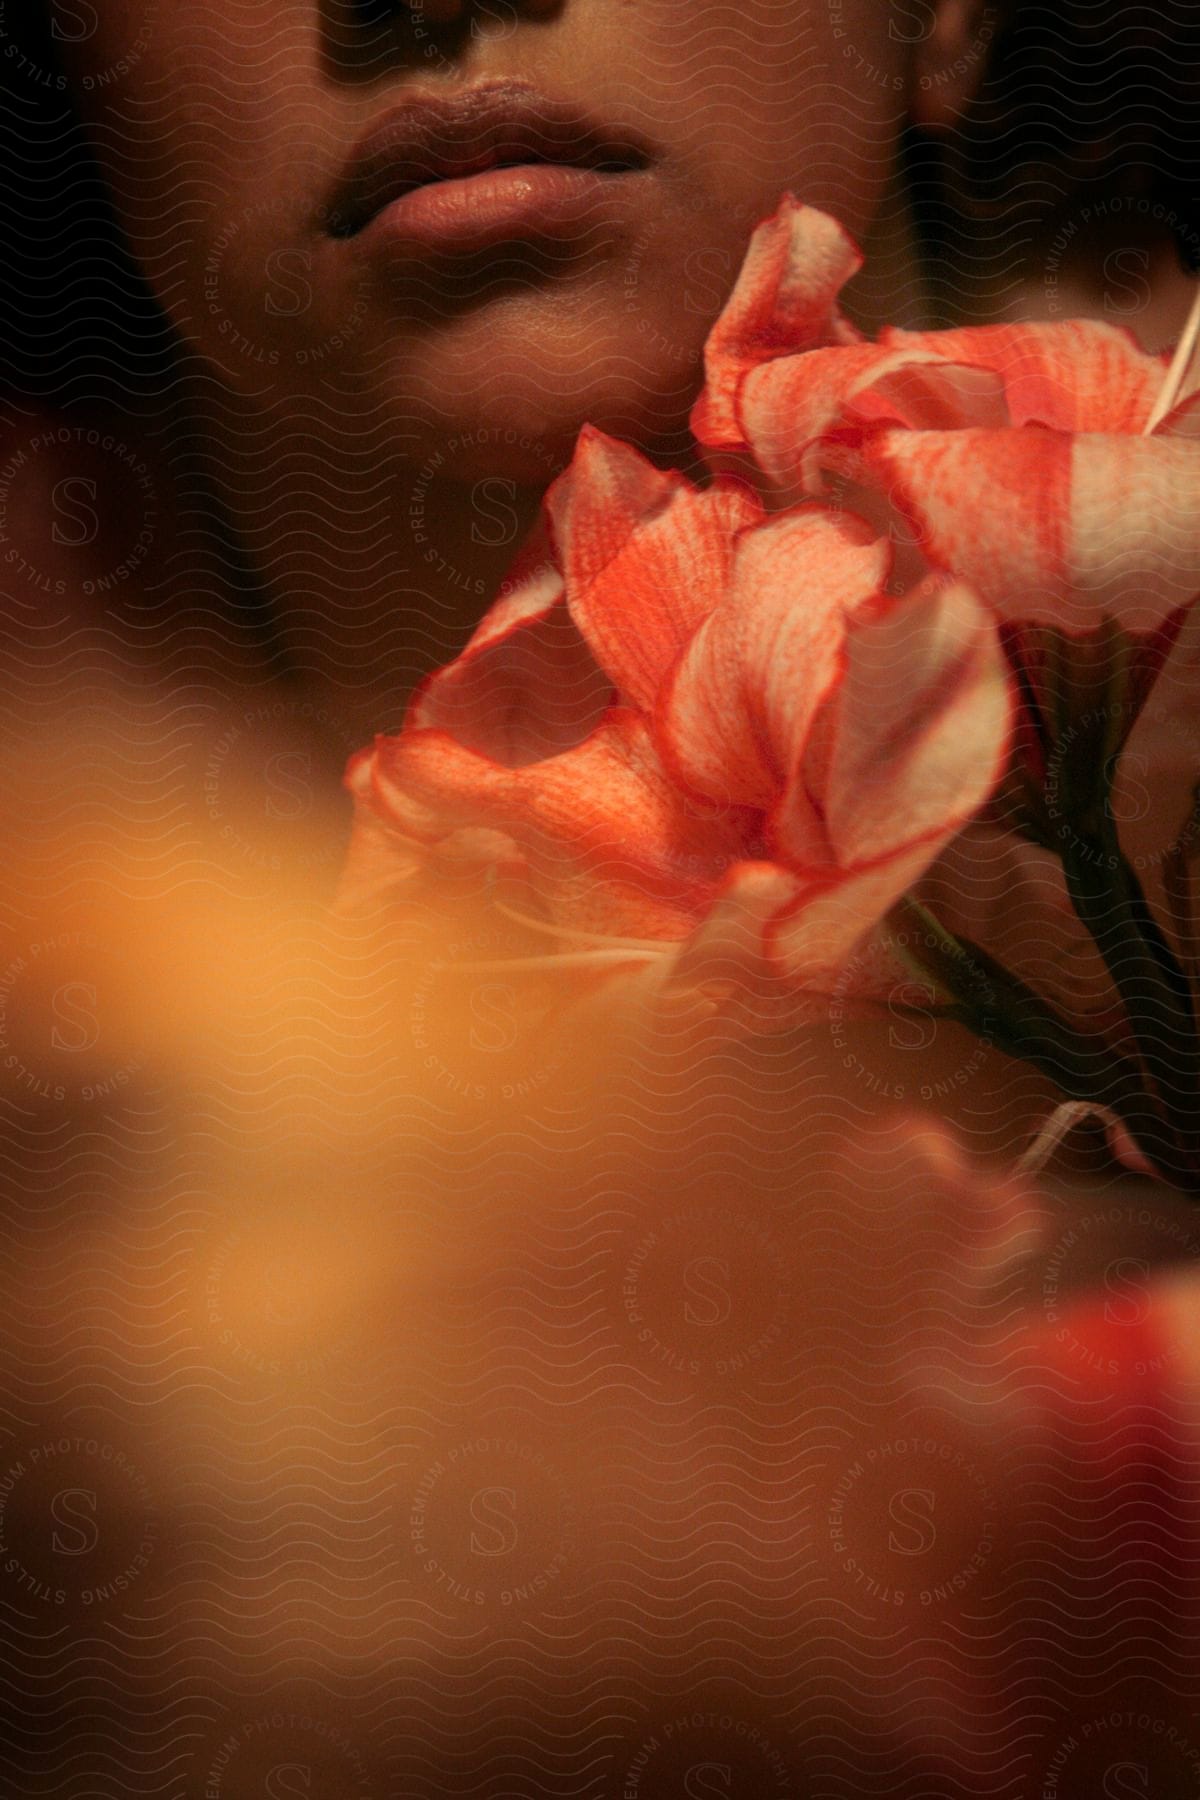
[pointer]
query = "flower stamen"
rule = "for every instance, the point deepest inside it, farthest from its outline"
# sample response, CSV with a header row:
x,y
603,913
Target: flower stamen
x,y
563,959
1177,385
574,934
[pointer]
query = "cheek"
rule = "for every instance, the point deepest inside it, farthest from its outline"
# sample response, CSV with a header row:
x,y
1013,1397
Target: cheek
x,y
215,97
765,96
229,158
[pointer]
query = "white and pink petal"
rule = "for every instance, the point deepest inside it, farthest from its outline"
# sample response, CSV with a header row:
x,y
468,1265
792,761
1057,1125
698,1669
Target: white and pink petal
x,y
831,939
736,715
921,727
785,300
645,555
1071,374
787,408
1049,527
608,843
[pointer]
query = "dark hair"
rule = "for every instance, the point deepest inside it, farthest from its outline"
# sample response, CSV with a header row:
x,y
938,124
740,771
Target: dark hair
x,y
77,319
1088,100
81,331
1083,101
1087,110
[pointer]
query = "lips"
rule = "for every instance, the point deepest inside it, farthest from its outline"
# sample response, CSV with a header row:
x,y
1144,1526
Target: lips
x,y
550,146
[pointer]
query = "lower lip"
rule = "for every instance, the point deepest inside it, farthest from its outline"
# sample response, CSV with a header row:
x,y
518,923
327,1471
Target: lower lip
x,y
472,212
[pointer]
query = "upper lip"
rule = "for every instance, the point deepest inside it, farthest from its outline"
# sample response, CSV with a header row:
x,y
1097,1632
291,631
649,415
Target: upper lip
x,y
440,137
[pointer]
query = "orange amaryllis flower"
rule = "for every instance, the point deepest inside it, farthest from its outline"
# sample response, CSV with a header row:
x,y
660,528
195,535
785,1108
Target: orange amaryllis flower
x,y
1019,454
698,730
1029,460
1054,467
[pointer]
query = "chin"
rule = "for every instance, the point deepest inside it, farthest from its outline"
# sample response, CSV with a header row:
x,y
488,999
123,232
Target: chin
x,y
507,390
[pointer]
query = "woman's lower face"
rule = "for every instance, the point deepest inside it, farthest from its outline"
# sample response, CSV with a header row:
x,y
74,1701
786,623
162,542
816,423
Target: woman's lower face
x,y
312,187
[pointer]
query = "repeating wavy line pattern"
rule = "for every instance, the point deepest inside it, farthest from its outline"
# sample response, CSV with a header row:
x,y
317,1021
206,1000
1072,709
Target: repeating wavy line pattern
x,y
397,1399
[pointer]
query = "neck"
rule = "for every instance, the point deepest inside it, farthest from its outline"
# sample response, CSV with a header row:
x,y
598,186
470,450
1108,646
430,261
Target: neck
x,y
891,288
376,570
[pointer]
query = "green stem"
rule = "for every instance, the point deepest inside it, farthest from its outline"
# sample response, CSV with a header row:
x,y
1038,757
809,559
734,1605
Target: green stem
x,y
1154,989
995,1004
1177,893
